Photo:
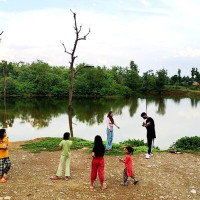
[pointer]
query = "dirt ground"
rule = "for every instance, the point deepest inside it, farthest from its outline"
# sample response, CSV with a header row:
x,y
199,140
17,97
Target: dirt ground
x,y
164,176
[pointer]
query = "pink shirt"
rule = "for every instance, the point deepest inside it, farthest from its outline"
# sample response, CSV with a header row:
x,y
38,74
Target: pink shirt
x,y
108,122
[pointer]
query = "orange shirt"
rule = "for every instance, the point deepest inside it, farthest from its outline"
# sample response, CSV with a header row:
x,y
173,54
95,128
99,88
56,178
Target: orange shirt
x,y
3,152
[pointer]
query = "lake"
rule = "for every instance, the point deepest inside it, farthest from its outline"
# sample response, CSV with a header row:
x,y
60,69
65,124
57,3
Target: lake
x,y
29,118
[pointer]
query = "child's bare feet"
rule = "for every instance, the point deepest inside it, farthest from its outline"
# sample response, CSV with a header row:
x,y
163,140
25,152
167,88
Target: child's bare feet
x,y
66,178
91,187
104,186
54,177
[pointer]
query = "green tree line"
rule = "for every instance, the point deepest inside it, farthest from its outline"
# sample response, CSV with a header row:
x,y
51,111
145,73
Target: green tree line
x,y
39,78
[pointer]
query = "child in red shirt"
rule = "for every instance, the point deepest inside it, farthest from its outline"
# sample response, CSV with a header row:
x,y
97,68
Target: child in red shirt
x,y
128,171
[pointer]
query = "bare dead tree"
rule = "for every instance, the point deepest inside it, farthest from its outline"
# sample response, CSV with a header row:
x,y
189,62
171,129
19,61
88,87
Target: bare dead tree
x,y
73,57
72,69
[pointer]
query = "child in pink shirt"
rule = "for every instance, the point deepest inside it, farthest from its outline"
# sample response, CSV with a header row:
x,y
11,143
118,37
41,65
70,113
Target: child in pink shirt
x,y
128,171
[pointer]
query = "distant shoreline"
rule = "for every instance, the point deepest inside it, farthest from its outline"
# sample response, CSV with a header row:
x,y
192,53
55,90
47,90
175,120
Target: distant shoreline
x,y
176,93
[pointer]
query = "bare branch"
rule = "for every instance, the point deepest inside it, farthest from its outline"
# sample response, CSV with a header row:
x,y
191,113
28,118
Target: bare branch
x,y
1,33
81,68
75,24
84,37
65,48
80,29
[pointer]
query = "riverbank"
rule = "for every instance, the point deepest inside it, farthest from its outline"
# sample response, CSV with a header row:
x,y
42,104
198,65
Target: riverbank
x,y
164,176
173,91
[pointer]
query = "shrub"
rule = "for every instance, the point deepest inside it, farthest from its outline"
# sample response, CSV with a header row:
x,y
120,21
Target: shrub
x,y
187,143
134,143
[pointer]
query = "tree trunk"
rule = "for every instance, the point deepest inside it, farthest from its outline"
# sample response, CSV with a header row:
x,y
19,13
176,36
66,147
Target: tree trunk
x,y
5,113
71,90
70,121
4,82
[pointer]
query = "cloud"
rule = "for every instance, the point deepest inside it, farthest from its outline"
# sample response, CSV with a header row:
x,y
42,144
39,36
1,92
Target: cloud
x,y
188,52
145,2
152,41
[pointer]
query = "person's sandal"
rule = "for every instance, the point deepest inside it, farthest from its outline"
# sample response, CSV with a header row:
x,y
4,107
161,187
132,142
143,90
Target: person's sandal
x,y
66,178
2,180
53,177
104,186
135,182
124,184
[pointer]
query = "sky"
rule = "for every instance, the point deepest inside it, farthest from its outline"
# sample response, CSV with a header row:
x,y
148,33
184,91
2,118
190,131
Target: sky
x,y
155,34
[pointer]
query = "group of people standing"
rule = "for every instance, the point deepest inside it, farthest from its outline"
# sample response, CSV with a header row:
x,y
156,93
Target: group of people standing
x,y
149,124
98,152
98,162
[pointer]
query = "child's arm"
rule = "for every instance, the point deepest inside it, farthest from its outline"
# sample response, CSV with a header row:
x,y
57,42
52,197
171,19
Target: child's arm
x,y
59,147
121,160
93,154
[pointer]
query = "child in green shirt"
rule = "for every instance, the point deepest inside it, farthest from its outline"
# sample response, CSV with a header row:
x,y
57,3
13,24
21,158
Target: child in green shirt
x,y
64,145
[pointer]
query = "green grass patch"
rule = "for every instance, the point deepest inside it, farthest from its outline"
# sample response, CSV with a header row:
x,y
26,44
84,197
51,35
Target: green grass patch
x,y
51,144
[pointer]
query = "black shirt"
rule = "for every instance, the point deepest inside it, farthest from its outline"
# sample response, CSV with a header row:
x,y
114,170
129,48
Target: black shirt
x,y
150,128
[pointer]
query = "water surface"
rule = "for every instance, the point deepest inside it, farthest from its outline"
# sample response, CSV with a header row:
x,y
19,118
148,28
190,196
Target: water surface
x,y
29,118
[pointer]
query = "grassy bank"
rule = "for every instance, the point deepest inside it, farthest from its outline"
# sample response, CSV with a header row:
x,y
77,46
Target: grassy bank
x,y
51,144
192,91
187,145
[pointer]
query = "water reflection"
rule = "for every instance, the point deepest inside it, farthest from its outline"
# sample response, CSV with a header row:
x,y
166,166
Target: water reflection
x,y
40,111
36,111
28,118
194,102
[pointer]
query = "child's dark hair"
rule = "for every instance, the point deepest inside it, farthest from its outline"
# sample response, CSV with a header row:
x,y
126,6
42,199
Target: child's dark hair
x,y
110,117
66,136
99,148
2,131
130,149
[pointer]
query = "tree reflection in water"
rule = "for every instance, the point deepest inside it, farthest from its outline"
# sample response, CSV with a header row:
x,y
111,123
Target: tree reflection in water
x,y
40,111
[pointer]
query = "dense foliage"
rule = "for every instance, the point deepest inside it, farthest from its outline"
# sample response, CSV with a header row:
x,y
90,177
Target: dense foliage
x,y
39,78
188,143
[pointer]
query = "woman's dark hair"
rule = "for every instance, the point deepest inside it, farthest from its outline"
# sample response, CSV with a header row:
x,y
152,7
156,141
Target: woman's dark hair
x,y
110,117
99,148
2,131
66,136
130,149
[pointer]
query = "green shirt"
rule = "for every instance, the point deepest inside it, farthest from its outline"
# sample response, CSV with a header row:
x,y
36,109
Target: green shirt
x,y
65,144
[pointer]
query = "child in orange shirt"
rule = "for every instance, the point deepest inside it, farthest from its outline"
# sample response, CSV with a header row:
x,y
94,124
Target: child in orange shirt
x,y
128,171
4,158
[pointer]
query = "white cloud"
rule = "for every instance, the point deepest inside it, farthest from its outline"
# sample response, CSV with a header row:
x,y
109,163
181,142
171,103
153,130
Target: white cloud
x,y
189,52
145,2
150,40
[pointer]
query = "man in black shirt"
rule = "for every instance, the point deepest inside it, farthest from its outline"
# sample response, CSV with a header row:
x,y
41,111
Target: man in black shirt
x,y
150,126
